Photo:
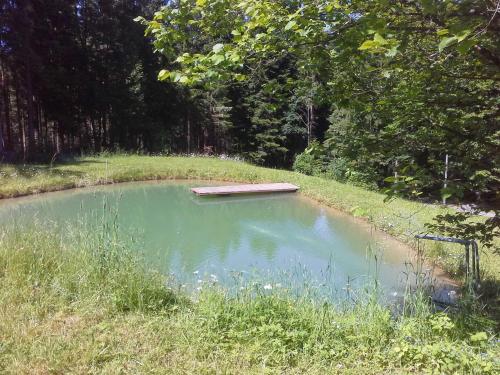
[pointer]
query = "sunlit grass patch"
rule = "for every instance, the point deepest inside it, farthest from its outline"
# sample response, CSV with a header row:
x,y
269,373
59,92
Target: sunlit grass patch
x,y
91,306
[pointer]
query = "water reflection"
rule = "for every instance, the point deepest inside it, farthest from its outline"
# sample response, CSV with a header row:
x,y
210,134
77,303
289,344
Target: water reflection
x,y
181,233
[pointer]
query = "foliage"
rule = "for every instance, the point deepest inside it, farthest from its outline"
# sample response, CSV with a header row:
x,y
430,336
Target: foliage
x,y
404,84
465,225
310,162
314,161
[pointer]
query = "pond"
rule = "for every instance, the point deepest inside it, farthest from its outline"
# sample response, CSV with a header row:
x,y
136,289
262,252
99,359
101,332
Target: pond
x,y
271,237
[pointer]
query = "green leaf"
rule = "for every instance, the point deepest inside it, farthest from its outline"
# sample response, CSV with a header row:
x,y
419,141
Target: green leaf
x,y
379,39
163,75
462,35
442,32
478,337
240,77
465,46
290,24
368,44
218,47
175,76
445,42
217,59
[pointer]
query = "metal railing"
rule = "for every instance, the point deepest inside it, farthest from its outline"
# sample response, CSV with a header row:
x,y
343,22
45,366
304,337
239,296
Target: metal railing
x,y
471,254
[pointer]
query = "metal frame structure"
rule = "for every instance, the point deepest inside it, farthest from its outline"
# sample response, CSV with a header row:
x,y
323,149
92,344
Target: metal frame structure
x,y
470,269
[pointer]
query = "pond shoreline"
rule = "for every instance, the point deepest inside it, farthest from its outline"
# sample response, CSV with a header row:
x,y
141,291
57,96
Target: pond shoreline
x,y
400,219
441,280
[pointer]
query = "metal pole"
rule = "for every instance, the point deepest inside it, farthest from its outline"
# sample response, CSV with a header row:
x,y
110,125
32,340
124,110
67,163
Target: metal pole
x,y
445,176
467,262
473,268
476,248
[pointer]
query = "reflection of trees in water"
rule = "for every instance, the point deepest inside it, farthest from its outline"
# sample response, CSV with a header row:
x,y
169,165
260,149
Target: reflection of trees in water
x,y
182,230
195,230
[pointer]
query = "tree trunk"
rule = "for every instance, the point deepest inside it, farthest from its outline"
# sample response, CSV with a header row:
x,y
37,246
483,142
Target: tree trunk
x,y
310,123
3,110
29,90
5,129
2,146
20,122
188,134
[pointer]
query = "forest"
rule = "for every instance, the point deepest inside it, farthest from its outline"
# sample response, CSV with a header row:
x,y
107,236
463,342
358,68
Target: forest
x,y
374,93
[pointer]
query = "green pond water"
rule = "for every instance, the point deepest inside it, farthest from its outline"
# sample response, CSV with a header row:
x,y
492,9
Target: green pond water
x,y
197,238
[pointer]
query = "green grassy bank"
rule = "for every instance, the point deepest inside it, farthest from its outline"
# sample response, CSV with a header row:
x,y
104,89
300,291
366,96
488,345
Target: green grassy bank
x,y
401,218
90,306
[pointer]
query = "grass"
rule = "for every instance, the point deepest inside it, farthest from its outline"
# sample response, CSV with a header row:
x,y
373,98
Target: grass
x,y
401,218
90,306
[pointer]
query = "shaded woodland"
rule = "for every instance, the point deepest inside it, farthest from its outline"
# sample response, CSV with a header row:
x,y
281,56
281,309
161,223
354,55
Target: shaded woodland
x,y
355,91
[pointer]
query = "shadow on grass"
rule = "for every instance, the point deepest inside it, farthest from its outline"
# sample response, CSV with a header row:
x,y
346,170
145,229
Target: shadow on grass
x,y
488,295
32,170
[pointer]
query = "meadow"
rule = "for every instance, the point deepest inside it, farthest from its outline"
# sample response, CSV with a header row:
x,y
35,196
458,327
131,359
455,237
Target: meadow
x,y
87,304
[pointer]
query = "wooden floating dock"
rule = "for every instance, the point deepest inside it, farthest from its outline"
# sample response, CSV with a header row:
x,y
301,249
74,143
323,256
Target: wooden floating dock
x,y
246,189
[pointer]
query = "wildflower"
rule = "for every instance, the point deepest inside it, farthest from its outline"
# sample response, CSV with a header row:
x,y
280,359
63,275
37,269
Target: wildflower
x,y
196,272
268,287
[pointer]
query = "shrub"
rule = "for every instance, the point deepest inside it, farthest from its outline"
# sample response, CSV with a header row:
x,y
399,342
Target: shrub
x,y
337,169
304,163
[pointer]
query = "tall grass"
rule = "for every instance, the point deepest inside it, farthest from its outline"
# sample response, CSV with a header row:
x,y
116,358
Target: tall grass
x,y
110,277
88,305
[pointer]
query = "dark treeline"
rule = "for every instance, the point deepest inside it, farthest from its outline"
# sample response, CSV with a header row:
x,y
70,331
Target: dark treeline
x,y
80,77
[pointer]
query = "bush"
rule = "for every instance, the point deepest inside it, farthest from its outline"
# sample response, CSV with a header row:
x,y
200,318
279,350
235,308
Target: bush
x,y
308,163
314,162
365,180
337,169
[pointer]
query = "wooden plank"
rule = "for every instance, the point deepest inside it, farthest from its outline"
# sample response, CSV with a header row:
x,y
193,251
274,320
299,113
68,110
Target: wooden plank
x,y
245,189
